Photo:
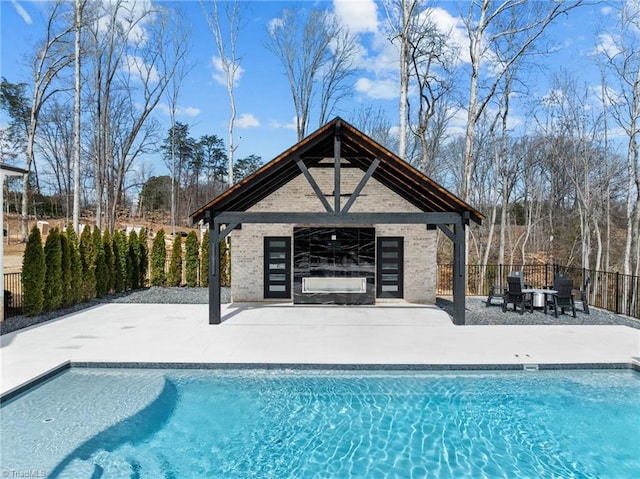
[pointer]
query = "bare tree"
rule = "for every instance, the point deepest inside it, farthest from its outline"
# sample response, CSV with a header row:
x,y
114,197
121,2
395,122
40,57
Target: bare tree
x,y
77,90
490,22
303,40
621,62
229,60
400,15
431,61
50,59
133,59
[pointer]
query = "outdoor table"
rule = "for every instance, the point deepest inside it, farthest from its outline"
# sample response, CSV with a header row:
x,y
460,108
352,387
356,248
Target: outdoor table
x,y
539,296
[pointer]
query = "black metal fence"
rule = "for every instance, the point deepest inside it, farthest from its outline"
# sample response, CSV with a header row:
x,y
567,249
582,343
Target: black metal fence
x,y
615,292
12,294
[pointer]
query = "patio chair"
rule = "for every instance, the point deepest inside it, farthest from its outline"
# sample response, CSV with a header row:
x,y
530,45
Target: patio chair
x,y
564,298
496,291
584,295
516,296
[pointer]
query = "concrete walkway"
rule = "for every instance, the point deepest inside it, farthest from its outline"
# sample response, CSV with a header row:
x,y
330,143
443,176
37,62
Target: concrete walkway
x,y
395,333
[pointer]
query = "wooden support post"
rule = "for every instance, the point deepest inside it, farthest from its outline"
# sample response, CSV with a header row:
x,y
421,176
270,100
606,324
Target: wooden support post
x,y
459,274
337,153
215,314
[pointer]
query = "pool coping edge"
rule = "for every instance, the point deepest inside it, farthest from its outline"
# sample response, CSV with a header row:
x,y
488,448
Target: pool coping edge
x,y
633,364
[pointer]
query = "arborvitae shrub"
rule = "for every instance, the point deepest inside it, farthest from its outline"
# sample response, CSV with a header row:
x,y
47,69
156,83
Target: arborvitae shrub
x,y
143,249
204,260
109,260
65,250
88,261
33,274
174,278
102,275
191,259
158,259
53,275
225,264
75,285
120,253
133,265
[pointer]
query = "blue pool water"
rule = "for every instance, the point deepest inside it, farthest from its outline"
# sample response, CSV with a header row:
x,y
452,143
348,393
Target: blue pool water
x,y
126,423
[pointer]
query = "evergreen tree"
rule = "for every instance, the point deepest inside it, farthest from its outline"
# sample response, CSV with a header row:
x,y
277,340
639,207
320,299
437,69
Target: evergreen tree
x,y
53,271
120,253
133,264
67,292
102,274
144,257
88,261
204,260
33,274
158,259
110,261
191,259
225,263
174,278
75,282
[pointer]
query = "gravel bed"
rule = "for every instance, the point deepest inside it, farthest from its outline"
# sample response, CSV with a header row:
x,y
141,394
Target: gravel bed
x,y
477,313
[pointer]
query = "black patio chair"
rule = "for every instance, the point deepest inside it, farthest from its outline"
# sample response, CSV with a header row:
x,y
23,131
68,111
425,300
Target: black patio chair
x,y
564,297
515,296
496,291
584,296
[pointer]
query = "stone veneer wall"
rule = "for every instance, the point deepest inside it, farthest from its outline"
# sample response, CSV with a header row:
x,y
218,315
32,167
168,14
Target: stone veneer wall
x,y
247,263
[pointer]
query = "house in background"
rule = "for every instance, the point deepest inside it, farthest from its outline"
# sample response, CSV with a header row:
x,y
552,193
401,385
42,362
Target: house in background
x,y
336,219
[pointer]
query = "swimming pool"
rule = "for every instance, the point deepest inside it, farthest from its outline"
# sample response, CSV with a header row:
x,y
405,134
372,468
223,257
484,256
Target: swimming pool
x,y
131,423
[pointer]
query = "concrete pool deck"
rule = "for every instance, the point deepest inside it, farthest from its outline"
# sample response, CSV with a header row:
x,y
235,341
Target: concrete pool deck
x,y
393,333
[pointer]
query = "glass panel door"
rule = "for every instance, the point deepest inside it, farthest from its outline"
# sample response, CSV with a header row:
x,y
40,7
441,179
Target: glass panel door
x,y
389,269
277,267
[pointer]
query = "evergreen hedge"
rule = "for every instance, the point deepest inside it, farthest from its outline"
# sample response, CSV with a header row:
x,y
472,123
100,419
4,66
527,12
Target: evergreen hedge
x,y
75,282
102,273
33,274
120,253
174,277
204,260
225,263
158,259
191,259
109,260
88,261
133,265
143,249
65,273
52,290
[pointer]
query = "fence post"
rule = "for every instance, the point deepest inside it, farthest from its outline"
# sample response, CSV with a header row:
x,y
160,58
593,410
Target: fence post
x,y
617,292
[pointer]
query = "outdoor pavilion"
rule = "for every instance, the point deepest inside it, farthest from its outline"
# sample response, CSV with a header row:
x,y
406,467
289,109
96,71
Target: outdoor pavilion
x,y
338,148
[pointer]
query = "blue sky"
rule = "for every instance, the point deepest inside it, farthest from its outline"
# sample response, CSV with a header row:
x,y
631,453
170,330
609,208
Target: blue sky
x,y
265,122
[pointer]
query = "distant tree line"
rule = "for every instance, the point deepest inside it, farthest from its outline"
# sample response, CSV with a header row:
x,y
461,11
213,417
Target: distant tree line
x,y
198,173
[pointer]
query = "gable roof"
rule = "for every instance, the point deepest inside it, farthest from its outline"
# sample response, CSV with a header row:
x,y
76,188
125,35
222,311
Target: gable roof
x,y
359,151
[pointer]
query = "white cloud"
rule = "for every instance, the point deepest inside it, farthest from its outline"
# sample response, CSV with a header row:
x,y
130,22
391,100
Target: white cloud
x,y
247,120
144,73
286,126
190,111
219,74
454,27
607,45
361,16
457,125
130,15
385,89
606,10
22,12
274,24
